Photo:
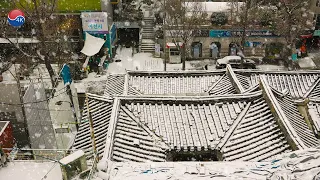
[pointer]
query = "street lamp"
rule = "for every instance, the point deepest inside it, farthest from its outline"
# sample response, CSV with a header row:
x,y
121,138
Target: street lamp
x,y
73,110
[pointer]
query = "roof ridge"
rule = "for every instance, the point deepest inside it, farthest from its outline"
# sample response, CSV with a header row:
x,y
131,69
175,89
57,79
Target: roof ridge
x,y
278,112
215,83
316,83
190,98
99,97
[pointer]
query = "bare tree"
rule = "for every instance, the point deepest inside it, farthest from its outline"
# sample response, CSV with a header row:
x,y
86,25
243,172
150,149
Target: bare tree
x,y
290,19
44,26
182,18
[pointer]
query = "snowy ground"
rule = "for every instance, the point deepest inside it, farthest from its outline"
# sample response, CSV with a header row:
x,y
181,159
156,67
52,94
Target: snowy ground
x,y
300,165
29,170
145,61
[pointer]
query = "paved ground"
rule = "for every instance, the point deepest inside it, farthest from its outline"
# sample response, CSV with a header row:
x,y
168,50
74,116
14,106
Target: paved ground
x,y
145,61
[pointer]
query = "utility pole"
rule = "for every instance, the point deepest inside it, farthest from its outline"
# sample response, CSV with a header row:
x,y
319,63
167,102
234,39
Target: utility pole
x,y
69,92
164,37
91,126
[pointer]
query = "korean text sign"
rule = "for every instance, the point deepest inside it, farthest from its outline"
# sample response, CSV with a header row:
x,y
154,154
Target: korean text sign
x,y
95,22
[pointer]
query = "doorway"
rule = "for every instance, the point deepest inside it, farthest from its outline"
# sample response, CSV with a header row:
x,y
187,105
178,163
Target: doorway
x,y
196,49
215,48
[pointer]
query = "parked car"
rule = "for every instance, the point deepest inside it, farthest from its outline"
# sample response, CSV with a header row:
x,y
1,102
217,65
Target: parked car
x,y
235,62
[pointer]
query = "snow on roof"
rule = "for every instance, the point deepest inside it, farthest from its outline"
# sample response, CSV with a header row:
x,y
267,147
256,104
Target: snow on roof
x,y
81,88
174,44
3,126
72,157
30,170
306,162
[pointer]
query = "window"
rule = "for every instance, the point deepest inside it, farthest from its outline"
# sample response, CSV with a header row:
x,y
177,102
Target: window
x,y
174,53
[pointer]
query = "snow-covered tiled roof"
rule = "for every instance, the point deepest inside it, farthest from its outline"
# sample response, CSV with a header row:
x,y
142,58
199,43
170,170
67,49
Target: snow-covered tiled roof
x,y
100,108
223,86
297,121
132,142
188,126
256,136
314,111
315,90
240,127
169,83
114,85
296,83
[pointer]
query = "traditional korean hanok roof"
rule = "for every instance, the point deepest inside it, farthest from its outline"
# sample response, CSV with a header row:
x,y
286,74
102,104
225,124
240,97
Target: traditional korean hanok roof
x,y
255,137
188,125
132,142
147,128
314,91
114,85
100,108
314,112
171,82
222,87
297,83
296,120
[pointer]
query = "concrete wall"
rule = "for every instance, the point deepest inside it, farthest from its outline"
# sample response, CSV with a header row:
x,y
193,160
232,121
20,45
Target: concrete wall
x,y
39,122
249,51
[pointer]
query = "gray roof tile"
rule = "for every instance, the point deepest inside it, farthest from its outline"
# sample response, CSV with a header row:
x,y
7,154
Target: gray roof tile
x,y
296,120
100,109
257,137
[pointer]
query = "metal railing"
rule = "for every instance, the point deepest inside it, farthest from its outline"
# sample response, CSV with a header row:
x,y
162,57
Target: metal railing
x,y
40,154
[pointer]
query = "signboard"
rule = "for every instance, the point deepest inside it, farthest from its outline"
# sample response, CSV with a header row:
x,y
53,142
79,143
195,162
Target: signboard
x,y
316,33
200,33
229,33
95,22
253,33
219,33
157,50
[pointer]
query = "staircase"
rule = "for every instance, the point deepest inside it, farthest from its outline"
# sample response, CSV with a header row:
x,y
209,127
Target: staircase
x,y
147,41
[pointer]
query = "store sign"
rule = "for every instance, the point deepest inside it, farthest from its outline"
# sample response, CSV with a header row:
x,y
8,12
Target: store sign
x,y
219,33
95,22
229,33
253,33
316,33
193,33
200,33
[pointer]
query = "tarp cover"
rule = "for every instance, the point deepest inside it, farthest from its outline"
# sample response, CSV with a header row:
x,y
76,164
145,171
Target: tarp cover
x,y
92,45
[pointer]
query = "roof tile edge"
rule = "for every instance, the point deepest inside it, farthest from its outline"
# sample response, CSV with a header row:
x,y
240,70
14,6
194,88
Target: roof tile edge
x,y
291,135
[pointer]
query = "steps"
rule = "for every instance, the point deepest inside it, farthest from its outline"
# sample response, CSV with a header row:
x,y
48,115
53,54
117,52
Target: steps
x,y
147,42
